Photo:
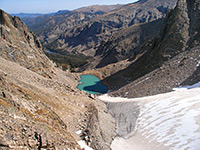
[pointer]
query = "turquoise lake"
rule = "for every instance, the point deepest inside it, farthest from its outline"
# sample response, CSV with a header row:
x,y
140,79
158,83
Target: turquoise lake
x,y
92,84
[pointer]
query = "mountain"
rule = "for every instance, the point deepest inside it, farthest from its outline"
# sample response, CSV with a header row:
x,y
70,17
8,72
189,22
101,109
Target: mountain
x,y
123,45
27,15
98,8
126,43
49,27
85,38
40,106
32,16
21,46
170,60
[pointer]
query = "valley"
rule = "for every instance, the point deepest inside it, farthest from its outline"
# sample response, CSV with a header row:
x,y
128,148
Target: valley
x,y
102,77
78,32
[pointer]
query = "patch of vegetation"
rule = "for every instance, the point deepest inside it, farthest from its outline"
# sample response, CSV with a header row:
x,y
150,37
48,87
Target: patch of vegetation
x,y
68,61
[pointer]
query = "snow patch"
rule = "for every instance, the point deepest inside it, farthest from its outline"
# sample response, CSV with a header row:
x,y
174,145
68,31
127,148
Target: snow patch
x,y
84,145
79,132
198,64
187,87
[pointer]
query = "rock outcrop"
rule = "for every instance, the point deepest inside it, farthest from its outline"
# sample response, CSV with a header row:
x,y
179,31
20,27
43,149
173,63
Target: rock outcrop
x,y
19,45
169,60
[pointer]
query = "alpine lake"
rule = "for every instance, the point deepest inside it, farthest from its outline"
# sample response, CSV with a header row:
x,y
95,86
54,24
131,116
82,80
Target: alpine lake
x,y
91,84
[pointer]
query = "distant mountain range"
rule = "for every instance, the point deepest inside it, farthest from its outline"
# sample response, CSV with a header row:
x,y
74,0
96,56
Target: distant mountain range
x,y
27,15
49,27
109,32
83,30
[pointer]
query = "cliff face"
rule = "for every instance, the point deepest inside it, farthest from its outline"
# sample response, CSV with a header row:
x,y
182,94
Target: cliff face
x,y
170,59
85,38
41,109
175,32
21,46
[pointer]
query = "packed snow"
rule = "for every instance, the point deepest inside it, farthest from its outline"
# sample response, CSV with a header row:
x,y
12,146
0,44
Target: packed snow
x,y
168,121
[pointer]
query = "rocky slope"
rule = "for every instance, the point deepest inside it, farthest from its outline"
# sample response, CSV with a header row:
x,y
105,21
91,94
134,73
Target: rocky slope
x,y
85,38
49,27
19,45
171,58
126,43
41,109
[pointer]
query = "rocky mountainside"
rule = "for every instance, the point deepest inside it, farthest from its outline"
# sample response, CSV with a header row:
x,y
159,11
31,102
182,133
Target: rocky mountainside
x,y
19,45
123,46
169,60
49,27
85,38
40,106
126,43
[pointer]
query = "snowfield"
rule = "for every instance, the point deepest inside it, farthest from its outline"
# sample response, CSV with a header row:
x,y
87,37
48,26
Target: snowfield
x,y
168,121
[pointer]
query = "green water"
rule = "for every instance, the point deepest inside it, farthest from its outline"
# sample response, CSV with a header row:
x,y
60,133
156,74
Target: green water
x,y
92,84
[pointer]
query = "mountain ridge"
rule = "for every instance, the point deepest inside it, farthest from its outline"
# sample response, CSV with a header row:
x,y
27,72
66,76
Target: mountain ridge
x,y
87,37
27,15
168,61
60,21
84,36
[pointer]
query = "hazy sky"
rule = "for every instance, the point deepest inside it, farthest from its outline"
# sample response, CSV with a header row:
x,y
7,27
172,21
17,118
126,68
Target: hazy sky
x,y
45,6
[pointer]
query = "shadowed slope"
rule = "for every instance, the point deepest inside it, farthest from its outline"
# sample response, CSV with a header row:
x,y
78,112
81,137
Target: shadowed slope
x,y
169,60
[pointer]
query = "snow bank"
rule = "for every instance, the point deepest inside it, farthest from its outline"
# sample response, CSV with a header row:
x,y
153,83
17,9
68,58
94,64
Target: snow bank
x,y
168,121
173,121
